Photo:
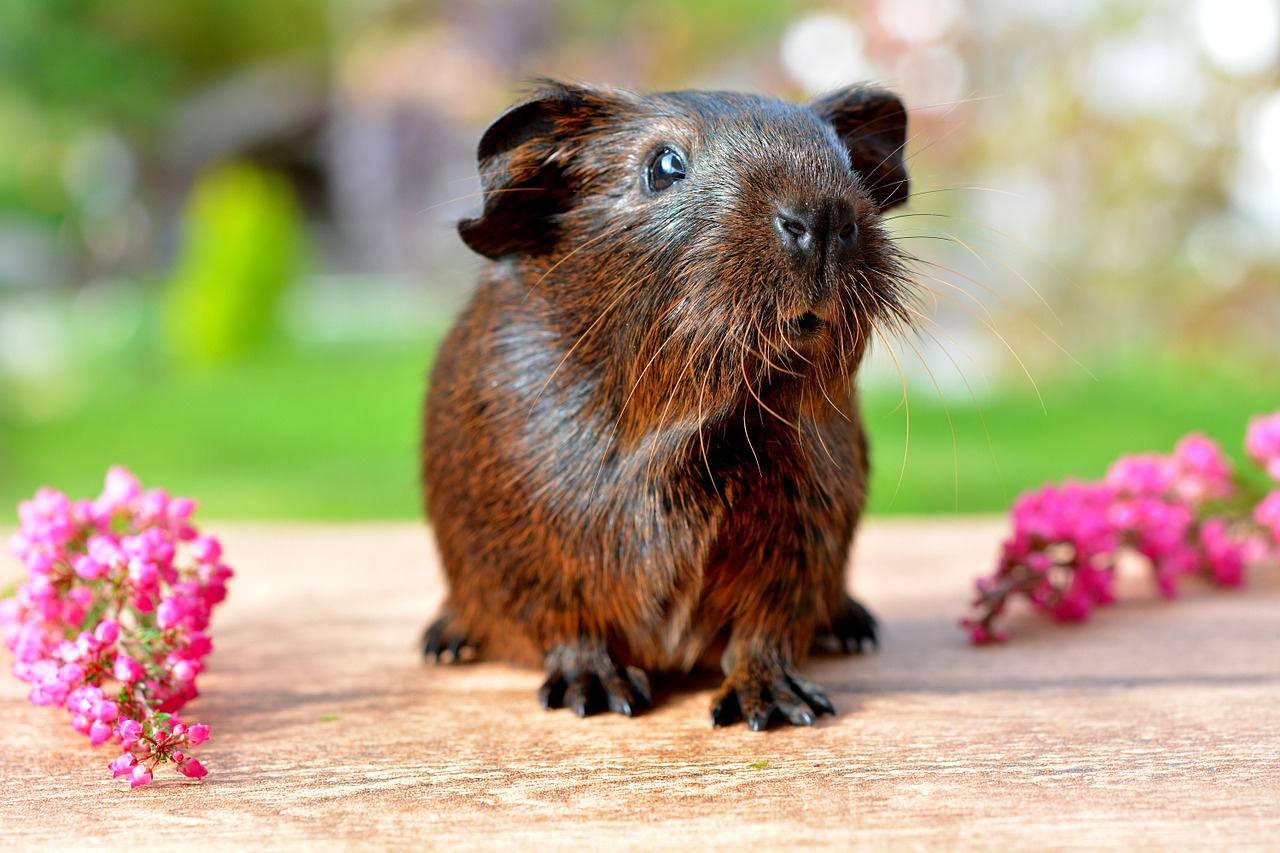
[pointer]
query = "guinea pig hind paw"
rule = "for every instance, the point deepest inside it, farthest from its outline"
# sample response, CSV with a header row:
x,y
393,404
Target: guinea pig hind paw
x,y
852,626
584,678
763,694
442,643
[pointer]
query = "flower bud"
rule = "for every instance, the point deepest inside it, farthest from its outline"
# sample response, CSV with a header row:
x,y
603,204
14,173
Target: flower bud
x,y
193,768
87,567
108,631
139,776
169,613
206,549
184,671
71,673
99,732
127,669
105,710
122,765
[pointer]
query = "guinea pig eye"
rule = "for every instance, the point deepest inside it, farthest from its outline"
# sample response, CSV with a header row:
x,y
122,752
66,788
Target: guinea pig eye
x,y
666,167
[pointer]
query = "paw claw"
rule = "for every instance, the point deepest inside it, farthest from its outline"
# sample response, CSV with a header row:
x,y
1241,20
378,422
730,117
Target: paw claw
x,y
766,688
852,626
584,678
443,643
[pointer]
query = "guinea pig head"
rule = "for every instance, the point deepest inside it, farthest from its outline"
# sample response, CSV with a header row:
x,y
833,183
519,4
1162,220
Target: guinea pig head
x,y
724,240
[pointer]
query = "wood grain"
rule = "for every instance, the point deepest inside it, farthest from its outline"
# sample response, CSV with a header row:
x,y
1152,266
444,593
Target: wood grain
x,y
1156,725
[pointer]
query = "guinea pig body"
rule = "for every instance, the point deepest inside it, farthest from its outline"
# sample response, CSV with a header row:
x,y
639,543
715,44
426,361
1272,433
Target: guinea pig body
x,y
643,449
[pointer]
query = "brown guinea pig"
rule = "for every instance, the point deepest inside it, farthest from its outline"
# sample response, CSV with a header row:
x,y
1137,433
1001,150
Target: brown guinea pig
x,y
643,449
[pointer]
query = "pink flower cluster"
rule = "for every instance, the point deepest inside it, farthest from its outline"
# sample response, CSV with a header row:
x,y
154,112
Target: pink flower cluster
x,y
1181,513
111,623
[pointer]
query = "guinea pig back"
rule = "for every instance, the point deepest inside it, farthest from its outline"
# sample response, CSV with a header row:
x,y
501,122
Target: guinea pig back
x,y
643,449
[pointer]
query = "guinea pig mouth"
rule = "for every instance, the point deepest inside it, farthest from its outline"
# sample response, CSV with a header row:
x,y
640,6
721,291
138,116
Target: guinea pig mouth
x,y
806,325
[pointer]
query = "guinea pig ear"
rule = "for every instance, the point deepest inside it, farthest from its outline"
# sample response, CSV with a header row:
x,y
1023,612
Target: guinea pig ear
x,y
522,159
873,125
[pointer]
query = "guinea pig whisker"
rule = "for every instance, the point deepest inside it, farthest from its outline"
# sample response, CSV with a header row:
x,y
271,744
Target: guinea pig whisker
x,y
782,325
839,411
746,431
977,254
990,325
623,292
933,329
821,443
695,352
767,342
1022,315
761,403
478,194
622,411
608,232
702,439
904,401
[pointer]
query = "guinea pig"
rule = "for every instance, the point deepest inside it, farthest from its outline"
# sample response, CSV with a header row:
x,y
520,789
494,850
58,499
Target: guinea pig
x,y
642,449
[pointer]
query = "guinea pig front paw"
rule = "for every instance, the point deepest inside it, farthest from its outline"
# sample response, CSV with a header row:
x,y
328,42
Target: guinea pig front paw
x,y
442,642
583,677
766,688
852,626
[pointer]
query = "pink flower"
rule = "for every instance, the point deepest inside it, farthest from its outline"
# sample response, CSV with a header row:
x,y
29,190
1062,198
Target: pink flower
x,y
98,570
154,505
206,549
184,670
107,631
121,488
128,670
1203,471
122,765
170,613
105,710
1224,556
1267,514
105,551
72,673
144,574
193,768
99,732
1142,476
140,775
181,509
1262,442
1171,510
88,568
197,734
129,731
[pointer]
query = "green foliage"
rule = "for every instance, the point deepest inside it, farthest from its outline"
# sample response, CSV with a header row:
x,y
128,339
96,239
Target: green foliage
x,y
332,433
967,455
243,246
126,61
292,433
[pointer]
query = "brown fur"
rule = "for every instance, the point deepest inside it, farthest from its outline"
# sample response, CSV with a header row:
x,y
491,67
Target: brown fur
x,y
643,447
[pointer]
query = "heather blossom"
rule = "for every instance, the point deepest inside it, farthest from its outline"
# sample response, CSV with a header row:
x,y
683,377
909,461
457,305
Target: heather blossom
x,y
111,624
1179,513
1262,442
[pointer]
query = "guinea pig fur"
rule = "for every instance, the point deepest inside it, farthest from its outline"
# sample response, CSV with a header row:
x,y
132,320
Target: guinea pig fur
x,y
643,450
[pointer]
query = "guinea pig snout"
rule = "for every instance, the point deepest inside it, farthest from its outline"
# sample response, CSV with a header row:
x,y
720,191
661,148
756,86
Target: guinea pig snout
x,y
812,232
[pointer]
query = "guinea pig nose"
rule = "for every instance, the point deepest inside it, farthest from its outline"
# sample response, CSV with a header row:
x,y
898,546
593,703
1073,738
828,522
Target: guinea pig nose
x,y
795,229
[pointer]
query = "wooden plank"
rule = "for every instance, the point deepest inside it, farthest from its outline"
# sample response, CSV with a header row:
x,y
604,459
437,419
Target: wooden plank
x,y
1157,724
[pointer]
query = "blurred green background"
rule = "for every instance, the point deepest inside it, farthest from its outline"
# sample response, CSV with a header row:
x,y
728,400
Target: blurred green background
x,y
227,253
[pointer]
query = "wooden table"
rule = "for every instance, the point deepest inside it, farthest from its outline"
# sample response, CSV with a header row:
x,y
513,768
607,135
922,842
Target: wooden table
x,y
1156,724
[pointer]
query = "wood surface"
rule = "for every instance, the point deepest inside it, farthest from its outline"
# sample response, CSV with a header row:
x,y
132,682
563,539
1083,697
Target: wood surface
x,y
1155,725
